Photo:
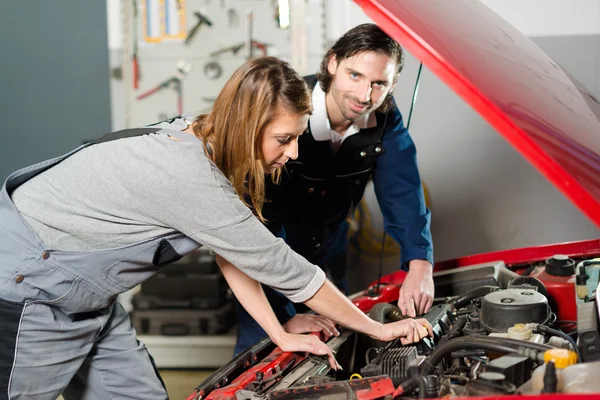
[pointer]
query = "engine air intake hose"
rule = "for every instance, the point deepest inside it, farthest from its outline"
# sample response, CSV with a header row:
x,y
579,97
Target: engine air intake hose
x,y
385,312
477,342
464,299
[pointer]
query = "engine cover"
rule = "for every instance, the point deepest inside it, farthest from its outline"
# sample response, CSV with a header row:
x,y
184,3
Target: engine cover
x,y
503,309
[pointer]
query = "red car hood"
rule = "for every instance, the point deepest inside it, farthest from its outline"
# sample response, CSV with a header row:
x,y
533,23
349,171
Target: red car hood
x,y
549,117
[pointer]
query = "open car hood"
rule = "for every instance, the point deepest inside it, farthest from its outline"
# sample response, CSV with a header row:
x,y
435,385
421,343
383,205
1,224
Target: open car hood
x,y
549,117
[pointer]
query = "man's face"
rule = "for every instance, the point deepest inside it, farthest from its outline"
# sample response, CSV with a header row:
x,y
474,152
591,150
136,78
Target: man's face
x,y
361,83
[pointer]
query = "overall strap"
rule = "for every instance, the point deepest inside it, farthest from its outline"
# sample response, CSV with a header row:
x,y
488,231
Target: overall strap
x,y
125,133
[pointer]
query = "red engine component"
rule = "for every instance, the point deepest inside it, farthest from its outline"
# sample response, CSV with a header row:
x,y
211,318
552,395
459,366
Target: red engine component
x,y
558,276
361,389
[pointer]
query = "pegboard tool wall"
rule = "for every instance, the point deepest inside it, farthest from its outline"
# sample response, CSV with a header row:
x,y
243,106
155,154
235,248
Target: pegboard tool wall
x,y
158,61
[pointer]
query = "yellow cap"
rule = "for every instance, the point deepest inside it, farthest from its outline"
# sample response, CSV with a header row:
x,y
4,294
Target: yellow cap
x,y
562,357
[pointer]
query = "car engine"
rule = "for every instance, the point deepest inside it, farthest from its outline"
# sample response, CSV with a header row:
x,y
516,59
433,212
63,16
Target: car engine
x,y
496,333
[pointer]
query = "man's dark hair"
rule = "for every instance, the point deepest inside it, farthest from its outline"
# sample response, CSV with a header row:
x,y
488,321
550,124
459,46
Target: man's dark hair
x,y
365,37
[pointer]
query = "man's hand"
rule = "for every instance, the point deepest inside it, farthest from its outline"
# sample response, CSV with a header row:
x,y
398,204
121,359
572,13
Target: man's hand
x,y
416,293
304,323
408,330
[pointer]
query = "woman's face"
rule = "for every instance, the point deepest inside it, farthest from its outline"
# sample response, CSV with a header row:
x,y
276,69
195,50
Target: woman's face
x,y
280,140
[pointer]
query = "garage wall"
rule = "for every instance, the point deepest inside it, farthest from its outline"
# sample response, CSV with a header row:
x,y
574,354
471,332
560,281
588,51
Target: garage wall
x,y
53,78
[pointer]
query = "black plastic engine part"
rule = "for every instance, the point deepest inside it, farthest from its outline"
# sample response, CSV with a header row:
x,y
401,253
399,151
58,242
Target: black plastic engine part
x,y
560,265
393,362
490,383
528,282
463,279
473,327
503,309
533,283
588,333
432,387
465,299
550,379
439,318
516,368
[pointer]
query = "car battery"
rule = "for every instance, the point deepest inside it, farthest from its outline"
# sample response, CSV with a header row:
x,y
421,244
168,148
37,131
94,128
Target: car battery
x,y
184,322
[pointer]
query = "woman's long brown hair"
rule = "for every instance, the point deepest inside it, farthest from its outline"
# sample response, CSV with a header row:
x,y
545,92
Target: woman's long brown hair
x,y
255,94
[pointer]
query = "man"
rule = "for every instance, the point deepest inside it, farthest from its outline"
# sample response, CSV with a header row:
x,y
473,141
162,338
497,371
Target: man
x,y
355,133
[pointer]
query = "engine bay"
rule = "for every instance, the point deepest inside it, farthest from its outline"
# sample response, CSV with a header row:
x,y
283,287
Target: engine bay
x,y
498,331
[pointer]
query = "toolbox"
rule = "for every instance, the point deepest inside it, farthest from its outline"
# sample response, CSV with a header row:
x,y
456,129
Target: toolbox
x,y
184,286
144,302
195,276
184,322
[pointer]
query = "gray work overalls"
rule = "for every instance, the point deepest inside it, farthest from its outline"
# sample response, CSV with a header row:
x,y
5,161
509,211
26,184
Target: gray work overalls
x,y
61,328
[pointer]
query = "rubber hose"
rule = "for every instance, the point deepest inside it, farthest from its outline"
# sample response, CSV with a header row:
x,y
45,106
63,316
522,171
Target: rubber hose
x,y
410,385
467,353
385,312
471,342
472,294
556,332
519,343
456,330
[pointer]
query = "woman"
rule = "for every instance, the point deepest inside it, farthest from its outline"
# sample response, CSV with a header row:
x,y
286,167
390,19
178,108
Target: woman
x,y
77,230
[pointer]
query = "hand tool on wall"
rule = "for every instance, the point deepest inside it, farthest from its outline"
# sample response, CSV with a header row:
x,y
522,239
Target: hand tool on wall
x,y
233,18
202,19
262,46
235,49
213,70
249,39
136,65
183,68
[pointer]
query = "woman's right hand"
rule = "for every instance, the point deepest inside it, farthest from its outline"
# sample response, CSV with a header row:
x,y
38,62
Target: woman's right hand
x,y
291,342
408,330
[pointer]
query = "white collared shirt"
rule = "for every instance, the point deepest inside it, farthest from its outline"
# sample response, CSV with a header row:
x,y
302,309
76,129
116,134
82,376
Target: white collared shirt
x,y
321,128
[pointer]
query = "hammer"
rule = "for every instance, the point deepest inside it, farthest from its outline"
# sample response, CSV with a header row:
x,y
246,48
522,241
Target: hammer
x,y
202,19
